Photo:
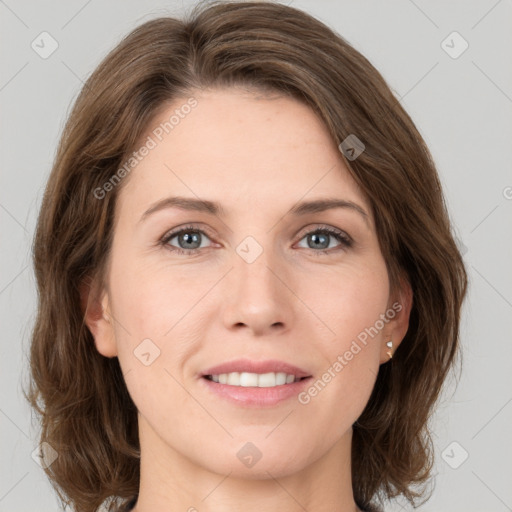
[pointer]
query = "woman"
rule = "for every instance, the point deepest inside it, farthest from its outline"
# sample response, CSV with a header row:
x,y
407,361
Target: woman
x,y
249,293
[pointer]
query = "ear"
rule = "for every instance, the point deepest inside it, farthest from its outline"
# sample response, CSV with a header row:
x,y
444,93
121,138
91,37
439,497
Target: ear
x,y
399,306
95,308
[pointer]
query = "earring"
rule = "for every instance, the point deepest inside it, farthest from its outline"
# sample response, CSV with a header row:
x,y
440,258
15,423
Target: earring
x,y
389,344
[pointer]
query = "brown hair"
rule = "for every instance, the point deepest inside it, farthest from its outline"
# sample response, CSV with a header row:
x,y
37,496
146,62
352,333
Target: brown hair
x,y
87,415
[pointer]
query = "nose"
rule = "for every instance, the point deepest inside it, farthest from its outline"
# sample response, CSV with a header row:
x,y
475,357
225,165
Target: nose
x,y
259,296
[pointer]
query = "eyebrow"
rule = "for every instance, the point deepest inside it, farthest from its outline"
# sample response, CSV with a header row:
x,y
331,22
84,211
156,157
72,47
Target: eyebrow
x,y
213,208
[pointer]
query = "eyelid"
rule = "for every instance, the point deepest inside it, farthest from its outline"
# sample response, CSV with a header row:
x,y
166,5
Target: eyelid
x,y
324,227
186,227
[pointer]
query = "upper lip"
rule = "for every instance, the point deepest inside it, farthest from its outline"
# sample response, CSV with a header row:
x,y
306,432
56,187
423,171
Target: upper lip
x,y
251,366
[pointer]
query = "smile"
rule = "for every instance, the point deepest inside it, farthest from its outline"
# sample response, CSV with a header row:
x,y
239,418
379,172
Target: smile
x,y
257,380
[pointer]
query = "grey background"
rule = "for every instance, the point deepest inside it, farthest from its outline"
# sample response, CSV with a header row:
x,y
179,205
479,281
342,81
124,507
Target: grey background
x,y
462,106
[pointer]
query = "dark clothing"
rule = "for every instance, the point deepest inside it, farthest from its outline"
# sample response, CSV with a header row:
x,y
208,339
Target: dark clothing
x,y
129,505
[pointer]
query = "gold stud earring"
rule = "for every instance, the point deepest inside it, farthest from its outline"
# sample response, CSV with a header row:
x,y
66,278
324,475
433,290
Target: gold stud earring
x,y
389,344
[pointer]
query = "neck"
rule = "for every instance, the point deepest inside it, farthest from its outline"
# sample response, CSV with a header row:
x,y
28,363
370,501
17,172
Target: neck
x,y
170,481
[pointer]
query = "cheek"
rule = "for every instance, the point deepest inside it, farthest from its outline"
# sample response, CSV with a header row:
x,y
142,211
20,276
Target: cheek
x,y
336,398
348,301
161,320
339,393
152,298
351,306
353,310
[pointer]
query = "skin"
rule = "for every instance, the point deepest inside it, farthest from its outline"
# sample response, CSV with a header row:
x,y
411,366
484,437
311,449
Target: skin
x,y
257,156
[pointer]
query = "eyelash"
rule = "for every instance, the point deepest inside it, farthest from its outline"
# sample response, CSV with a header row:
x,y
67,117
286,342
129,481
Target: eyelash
x,y
340,236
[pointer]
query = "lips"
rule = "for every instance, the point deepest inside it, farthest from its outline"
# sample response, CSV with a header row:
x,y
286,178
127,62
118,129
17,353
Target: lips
x,y
251,366
254,384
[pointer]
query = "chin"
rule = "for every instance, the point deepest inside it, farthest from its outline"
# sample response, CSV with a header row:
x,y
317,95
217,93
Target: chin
x,y
259,459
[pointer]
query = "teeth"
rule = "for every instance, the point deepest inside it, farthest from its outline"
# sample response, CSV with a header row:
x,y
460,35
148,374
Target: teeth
x,y
260,380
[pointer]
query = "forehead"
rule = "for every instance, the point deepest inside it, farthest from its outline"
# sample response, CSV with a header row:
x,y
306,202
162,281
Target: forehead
x,y
241,149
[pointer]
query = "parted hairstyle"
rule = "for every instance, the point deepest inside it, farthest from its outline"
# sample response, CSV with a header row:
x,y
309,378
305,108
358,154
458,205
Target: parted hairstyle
x,y
86,413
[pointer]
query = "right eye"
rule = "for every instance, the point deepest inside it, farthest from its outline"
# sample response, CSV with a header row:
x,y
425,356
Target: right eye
x,y
189,240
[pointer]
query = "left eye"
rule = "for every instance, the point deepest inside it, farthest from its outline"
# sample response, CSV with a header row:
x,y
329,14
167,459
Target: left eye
x,y
321,238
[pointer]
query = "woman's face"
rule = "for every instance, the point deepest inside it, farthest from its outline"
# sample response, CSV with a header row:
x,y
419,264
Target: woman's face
x,y
251,280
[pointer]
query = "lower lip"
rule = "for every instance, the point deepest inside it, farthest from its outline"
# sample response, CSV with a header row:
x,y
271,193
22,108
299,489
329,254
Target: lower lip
x,y
256,397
